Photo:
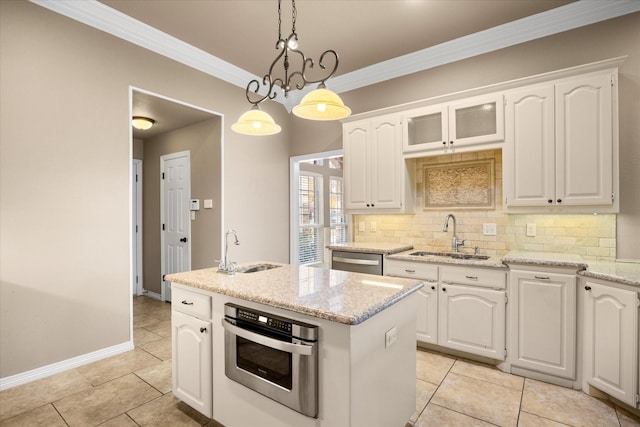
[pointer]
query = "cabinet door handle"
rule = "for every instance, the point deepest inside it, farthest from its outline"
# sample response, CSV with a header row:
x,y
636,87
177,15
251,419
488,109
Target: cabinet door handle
x,y
203,330
409,271
587,288
472,277
542,277
187,303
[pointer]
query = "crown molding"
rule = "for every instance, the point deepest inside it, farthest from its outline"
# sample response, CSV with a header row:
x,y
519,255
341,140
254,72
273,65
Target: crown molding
x,y
564,18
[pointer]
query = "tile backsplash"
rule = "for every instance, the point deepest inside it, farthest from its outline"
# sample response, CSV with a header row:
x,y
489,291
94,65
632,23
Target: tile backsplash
x,y
592,236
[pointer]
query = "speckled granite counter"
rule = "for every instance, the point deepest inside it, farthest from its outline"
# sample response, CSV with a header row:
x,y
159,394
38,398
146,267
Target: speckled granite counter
x,y
372,248
626,273
550,259
492,262
339,296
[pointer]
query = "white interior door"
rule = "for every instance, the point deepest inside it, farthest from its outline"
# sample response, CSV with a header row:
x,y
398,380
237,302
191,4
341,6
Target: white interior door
x,y
175,221
136,238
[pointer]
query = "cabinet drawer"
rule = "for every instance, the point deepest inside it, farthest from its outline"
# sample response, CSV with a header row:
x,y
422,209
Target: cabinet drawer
x,y
418,270
496,279
191,303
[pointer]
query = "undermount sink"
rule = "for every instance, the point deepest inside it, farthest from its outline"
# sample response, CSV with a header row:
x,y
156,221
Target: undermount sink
x,y
253,268
455,255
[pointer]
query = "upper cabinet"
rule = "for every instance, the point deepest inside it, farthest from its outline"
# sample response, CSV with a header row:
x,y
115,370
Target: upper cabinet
x,y
561,140
443,128
374,171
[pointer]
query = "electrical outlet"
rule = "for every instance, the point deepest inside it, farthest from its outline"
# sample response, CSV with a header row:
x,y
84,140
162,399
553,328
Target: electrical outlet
x,y
531,230
489,229
373,227
361,226
390,337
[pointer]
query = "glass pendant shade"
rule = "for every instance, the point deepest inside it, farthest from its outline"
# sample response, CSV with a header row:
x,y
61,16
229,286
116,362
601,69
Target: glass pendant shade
x,y
142,123
321,104
256,122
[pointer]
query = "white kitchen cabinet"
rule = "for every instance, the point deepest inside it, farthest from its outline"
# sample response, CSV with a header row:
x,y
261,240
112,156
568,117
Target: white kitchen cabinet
x,y
374,169
444,127
192,350
610,353
427,319
559,148
543,321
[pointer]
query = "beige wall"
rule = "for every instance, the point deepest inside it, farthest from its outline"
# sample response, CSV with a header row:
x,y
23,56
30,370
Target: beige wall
x,y
609,39
64,181
203,141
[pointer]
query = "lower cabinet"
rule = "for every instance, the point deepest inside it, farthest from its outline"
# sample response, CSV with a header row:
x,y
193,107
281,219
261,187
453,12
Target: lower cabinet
x,y
192,361
543,321
610,353
472,319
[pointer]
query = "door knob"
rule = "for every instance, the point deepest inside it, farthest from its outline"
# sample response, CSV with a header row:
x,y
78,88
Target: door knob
x,y
183,240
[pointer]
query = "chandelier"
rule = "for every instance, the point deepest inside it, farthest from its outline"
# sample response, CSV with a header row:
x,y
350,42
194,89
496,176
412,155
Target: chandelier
x,y
319,104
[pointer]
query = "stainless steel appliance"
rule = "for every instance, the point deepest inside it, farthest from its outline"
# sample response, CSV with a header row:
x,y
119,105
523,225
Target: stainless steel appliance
x,y
357,262
273,355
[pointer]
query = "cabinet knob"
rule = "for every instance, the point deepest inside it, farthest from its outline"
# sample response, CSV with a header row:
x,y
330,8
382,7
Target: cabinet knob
x,y
549,201
433,288
444,142
203,330
368,205
372,204
559,200
587,288
444,289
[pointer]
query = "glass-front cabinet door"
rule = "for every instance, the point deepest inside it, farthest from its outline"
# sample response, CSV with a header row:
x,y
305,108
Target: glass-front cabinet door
x,y
444,127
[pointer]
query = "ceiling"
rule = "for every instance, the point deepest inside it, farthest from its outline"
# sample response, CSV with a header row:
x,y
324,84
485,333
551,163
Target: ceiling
x,y
376,40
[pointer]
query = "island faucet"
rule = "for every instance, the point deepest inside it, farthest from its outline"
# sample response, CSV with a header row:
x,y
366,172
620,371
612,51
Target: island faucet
x,y
456,243
225,266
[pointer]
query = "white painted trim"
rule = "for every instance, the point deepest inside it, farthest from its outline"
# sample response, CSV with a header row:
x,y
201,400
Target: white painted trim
x,y
65,365
139,286
564,18
153,295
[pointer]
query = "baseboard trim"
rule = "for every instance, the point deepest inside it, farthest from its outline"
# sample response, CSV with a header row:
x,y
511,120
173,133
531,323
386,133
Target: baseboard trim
x,y
153,295
65,365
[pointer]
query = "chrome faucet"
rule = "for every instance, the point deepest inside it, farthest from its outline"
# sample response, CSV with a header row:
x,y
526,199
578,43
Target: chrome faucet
x,y
225,266
456,243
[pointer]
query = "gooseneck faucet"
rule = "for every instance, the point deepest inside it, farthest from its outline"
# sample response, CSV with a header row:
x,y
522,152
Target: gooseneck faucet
x,y
225,266
456,243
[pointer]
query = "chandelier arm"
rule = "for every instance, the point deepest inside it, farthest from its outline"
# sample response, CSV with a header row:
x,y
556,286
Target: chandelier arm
x,y
322,66
254,87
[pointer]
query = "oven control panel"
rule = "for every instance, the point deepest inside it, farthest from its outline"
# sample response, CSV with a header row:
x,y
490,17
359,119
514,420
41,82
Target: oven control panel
x,y
263,319
282,325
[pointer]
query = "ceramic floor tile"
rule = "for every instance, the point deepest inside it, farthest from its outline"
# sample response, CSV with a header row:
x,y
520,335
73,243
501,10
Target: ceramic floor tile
x,y
160,348
35,394
144,321
42,416
165,411
566,406
120,421
106,401
529,420
627,419
479,399
143,335
432,367
487,373
160,313
162,328
158,376
435,415
117,366
424,392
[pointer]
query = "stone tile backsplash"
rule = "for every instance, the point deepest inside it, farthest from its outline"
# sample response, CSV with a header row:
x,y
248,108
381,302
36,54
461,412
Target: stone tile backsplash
x,y
592,236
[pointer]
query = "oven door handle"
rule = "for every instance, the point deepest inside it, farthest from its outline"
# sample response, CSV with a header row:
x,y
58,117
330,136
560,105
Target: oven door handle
x,y
356,261
305,350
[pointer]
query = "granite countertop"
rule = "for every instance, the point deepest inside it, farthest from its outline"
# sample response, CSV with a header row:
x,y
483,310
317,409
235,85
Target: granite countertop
x,y
339,296
626,273
492,262
550,259
373,248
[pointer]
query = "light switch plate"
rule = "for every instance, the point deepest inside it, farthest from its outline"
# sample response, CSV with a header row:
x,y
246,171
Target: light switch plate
x,y
373,227
390,337
361,226
531,230
489,229
208,203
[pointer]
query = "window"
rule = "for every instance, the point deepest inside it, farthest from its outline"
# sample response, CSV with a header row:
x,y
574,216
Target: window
x,y
317,207
310,230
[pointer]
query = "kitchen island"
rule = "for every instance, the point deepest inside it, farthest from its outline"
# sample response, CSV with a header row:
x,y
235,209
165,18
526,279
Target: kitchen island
x,y
366,343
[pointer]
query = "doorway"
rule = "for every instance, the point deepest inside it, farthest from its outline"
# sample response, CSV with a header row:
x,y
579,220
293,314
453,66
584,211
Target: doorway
x,y
175,194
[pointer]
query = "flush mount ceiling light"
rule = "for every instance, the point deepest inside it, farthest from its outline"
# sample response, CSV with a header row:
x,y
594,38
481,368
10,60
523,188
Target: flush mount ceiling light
x,y
142,123
319,104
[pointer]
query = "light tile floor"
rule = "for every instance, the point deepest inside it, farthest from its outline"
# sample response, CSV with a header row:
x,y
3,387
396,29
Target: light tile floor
x,y
134,389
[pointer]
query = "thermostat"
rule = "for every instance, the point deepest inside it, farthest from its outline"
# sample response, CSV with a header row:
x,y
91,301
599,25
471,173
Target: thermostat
x,y
195,204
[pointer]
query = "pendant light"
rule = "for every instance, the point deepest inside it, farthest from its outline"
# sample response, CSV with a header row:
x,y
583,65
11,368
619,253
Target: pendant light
x,y
319,104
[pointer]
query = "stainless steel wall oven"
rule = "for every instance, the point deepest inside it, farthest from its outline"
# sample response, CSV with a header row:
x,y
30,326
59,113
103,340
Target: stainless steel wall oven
x,y
273,355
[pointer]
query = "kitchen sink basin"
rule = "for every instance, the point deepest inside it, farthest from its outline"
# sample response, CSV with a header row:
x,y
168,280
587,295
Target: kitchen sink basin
x,y
253,268
455,255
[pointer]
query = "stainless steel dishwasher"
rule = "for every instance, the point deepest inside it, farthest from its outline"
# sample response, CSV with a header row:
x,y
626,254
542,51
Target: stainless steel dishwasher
x,y
357,262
